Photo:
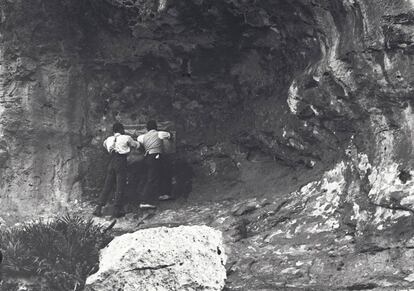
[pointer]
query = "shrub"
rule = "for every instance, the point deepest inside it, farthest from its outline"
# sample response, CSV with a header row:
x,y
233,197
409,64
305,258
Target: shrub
x,y
61,253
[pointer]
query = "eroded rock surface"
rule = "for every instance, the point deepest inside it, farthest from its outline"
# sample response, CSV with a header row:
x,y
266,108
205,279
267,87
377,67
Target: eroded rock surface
x,y
306,102
157,259
311,240
257,91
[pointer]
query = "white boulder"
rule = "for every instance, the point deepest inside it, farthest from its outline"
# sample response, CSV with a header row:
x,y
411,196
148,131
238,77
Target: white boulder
x,y
183,258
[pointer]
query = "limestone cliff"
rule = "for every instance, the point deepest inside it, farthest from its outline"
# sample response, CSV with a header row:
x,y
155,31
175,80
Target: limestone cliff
x,y
305,100
251,87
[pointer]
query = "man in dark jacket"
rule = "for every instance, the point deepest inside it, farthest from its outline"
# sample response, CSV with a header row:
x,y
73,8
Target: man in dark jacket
x,y
118,146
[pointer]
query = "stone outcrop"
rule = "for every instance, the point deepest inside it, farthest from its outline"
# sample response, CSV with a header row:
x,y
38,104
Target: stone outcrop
x,y
247,84
254,89
180,258
307,102
310,240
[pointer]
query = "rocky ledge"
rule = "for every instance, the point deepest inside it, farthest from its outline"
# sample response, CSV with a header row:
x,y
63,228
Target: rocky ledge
x,y
321,237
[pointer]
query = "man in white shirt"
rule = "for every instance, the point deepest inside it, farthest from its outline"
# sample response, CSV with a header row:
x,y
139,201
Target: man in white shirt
x,y
119,146
154,150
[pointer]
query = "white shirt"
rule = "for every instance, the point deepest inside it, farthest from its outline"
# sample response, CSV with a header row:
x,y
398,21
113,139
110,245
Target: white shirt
x,y
152,141
161,135
122,145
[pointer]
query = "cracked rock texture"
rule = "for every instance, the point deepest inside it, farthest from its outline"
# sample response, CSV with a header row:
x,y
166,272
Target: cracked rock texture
x,y
158,259
265,96
298,111
295,244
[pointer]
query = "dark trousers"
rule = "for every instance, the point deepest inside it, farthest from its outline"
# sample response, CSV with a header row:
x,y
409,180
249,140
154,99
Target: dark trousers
x,y
116,175
153,180
166,183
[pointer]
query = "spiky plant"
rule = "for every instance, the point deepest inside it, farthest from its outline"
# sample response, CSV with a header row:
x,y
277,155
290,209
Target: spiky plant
x,y
61,253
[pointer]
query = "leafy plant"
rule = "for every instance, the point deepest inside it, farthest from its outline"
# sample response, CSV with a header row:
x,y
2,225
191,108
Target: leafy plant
x,y
60,253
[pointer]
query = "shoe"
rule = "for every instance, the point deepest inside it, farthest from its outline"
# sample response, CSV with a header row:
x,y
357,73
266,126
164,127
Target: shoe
x,y
98,211
164,197
147,206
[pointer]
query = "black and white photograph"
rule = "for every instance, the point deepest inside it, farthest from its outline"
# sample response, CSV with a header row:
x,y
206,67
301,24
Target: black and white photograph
x,y
206,145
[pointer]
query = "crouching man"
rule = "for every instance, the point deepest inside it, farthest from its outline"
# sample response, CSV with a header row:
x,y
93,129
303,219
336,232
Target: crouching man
x,y
118,146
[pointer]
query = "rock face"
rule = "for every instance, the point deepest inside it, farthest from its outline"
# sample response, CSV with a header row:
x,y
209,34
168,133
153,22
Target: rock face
x,y
307,102
307,241
257,91
157,259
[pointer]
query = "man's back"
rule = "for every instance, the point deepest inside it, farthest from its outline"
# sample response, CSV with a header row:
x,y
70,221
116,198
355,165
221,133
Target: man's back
x,y
120,143
152,141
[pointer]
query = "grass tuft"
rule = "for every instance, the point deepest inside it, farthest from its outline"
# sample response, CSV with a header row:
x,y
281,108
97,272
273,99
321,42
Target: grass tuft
x,y
60,254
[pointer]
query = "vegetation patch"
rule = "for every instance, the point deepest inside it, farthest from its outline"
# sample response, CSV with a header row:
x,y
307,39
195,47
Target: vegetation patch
x,y
57,255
